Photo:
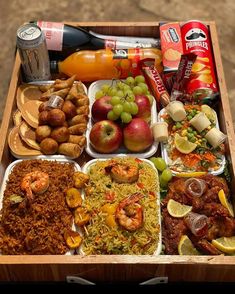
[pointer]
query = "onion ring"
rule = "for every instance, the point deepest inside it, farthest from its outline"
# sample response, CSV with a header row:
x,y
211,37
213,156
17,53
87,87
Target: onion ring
x,y
195,187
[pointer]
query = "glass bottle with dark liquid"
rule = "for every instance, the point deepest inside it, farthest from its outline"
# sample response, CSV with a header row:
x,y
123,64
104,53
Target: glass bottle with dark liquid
x,y
63,40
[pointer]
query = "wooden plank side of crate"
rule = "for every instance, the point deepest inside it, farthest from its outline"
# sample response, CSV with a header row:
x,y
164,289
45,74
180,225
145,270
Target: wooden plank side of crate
x,y
224,113
5,156
137,273
146,29
117,268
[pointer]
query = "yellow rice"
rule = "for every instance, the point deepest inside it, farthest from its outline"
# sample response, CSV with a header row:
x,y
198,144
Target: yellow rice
x,y
102,239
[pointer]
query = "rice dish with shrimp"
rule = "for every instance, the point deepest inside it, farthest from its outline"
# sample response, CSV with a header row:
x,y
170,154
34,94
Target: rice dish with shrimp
x,y
114,229
37,225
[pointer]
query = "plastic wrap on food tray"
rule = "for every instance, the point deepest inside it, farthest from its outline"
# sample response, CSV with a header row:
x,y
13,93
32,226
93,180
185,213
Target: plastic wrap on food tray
x,y
171,141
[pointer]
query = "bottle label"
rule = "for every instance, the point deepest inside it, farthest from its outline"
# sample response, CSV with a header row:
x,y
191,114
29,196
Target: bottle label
x,y
126,61
120,53
53,32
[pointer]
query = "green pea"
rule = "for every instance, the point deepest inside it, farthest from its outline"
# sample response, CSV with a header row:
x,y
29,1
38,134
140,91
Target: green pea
x,y
203,133
193,139
189,117
189,130
190,135
178,125
195,133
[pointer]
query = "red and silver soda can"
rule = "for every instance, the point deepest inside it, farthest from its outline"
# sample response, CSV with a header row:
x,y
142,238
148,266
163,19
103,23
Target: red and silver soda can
x,y
196,39
33,53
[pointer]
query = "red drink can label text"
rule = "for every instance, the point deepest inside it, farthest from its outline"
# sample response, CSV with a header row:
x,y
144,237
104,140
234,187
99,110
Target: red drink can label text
x,y
196,39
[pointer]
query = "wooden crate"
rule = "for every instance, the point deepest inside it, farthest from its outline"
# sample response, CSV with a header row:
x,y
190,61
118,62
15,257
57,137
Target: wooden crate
x,y
120,268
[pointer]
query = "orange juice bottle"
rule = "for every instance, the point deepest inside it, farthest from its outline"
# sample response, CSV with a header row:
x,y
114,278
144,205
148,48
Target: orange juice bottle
x,y
91,65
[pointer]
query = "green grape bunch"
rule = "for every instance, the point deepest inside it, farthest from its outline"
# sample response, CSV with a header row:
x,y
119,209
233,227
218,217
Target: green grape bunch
x,y
123,94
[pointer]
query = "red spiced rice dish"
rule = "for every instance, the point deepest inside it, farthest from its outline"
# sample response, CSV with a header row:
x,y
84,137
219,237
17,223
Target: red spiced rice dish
x,y
35,223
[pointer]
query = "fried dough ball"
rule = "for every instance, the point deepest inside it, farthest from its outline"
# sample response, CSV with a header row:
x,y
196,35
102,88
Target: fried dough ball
x,y
60,134
49,146
43,106
43,117
42,132
56,117
69,109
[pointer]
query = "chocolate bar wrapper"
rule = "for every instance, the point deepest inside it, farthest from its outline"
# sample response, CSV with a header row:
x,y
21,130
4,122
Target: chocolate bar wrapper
x,y
155,82
182,77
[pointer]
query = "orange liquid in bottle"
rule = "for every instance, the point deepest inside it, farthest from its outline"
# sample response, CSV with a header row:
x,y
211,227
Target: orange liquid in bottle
x,y
90,65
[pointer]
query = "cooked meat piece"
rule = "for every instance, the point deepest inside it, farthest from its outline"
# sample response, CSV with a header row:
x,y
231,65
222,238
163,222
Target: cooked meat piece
x,y
220,223
177,192
207,248
172,230
214,209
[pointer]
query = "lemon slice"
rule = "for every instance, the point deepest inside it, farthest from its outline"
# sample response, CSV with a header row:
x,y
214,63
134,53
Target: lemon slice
x,y
190,175
177,209
225,244
183,145
209,112
185,246
224,201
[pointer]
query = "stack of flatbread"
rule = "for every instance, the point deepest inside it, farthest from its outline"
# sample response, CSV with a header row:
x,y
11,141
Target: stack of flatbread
x,y
32,100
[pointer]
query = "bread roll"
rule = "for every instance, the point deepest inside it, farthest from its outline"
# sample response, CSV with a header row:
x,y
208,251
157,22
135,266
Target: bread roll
x,y
200,122
215,137
160,131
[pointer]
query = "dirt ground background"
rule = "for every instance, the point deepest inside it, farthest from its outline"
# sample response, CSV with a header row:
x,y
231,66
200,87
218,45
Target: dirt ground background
x,y
13,13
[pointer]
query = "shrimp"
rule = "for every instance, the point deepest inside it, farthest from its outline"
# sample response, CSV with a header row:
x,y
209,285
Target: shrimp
x,y
129,214
123,173
35,182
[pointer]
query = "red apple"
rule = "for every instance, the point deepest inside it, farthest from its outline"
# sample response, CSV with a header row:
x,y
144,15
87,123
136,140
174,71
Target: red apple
x,y
106,136
100,108
144,107
138,135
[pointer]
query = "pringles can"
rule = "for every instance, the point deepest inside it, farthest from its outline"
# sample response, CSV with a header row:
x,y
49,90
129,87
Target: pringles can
x,y
33,51
203,84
